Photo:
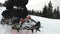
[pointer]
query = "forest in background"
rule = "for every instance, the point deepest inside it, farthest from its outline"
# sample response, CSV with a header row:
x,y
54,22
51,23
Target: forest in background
x,y
47,12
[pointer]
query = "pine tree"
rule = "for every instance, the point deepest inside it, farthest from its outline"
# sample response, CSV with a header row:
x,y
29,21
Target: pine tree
x,y
12,13
20,13
0,4
40,13
58,12
50,9
55,13
45,12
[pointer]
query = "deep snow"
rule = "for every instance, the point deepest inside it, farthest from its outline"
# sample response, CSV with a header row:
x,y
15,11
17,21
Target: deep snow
x,y
50,26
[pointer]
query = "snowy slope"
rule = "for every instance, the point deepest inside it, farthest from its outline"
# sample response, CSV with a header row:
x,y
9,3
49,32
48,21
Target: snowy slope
x,y
50,26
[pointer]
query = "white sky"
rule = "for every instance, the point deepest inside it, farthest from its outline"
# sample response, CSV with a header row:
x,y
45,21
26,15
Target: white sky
x,y
2,1
39,4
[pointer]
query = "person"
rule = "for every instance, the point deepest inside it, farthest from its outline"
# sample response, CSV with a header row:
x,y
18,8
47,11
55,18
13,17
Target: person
x,y
17,26
21,20
27,18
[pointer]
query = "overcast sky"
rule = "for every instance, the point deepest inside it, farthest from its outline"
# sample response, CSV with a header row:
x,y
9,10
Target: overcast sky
x,y
39,4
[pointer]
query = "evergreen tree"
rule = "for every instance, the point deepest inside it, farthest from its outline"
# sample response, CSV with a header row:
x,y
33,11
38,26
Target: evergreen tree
x,y
40,13
33,13
17,2
58,12
50,9
55,11
55,14
20,13
45,11
12,13
37,13
0,4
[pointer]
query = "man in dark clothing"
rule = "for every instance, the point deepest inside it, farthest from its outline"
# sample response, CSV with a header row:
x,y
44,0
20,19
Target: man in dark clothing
x,y
37,26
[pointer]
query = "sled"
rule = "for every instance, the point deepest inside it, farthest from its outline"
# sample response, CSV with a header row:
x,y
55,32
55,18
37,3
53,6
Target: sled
x,y
26,27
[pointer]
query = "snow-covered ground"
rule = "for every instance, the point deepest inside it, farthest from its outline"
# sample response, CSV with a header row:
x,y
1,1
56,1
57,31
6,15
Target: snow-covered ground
x,y
50,26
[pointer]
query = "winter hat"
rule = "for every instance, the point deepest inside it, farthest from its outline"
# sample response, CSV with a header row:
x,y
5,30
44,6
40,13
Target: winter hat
x,y
28,17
